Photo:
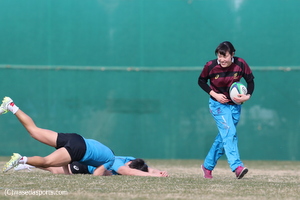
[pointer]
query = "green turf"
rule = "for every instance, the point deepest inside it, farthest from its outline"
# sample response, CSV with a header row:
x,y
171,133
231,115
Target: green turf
x,y
265,180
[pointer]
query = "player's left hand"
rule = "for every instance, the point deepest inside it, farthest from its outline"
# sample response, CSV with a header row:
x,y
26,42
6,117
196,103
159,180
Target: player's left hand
x,y
163,173
241,98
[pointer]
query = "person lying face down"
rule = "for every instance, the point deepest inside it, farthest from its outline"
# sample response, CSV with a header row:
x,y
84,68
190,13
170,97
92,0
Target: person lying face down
x,y
123,165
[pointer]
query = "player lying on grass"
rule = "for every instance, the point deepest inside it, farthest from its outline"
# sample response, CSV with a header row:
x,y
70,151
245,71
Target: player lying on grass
x,y
122,166
69,147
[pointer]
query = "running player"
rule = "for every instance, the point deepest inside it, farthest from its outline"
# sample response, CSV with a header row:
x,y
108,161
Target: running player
x,y
221,73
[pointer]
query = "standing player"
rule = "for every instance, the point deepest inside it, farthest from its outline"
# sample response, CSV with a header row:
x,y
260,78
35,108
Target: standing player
x,y
69,147
221,73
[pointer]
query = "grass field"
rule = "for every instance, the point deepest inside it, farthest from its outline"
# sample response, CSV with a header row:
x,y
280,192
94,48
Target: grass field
x,y
265,180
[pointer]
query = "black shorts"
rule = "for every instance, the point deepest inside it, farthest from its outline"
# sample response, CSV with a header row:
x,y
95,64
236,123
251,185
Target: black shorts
x,y
74,144
79,168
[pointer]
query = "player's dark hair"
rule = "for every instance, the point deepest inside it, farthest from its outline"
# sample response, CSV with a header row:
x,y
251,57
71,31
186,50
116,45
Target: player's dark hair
x,y
224,47
139,164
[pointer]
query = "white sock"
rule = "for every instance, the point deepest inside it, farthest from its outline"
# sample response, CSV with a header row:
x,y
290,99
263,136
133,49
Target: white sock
x,y
12,107
23,160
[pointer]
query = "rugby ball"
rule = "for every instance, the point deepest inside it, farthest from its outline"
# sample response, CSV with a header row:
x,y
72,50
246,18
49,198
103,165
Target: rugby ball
x,y
235,89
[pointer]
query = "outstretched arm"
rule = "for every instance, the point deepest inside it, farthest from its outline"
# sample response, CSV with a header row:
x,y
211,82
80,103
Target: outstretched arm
x,y
156,171
125,170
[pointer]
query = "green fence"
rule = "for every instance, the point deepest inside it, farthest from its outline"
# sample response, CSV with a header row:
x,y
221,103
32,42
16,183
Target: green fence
x,y
147,32
125,72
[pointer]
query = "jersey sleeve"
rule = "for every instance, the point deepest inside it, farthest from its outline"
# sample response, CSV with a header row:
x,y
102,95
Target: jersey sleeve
x,y
91,169
248,76
203,78
119,162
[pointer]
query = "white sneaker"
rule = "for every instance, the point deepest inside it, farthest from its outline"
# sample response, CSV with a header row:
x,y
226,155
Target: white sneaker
x,y
14,161
5,102
23,166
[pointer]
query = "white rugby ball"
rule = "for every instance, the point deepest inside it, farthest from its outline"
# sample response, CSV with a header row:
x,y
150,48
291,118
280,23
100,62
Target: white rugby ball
x,y
235,89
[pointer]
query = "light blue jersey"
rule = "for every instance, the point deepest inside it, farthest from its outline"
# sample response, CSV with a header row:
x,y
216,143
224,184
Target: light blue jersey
x,y
97,154
119,162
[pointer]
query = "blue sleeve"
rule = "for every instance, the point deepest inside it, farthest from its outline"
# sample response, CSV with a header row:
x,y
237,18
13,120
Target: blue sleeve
x,y
91,169
119,162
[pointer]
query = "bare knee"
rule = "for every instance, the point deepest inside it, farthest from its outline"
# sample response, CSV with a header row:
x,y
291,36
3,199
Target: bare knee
x,y
33,131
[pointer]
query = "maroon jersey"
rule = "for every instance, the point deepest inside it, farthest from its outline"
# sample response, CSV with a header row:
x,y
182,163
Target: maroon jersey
x,y
221,78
